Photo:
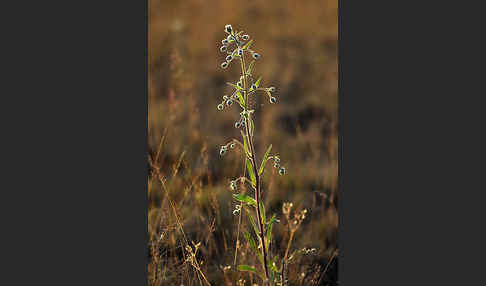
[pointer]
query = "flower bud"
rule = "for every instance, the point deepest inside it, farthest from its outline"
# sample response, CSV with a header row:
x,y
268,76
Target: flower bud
x,y
273,99
225,42
228,29
245,37
253,86
281,171
239,84
240,52
229,58
233,185
220,106
232,145
255,56
222,151
229,102
271,89
237,124
223,49
224,65
277,159
225,97
276,165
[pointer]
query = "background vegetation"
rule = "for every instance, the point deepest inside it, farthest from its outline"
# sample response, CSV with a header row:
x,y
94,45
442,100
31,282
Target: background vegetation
x,y
189,181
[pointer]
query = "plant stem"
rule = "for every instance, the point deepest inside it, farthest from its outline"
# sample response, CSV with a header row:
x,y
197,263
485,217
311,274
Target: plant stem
x,y
288,245
249,137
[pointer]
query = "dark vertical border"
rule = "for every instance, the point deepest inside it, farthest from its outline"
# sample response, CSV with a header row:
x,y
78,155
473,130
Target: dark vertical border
x,y
79,136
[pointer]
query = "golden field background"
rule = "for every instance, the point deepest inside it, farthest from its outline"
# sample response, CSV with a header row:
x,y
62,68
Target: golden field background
x,y
297,41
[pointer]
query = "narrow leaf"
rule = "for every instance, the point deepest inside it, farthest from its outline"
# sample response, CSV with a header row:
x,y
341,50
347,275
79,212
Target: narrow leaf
x,y
246,268
272,264
250,67
269,230
252,222
262,212
250,171
245,199
264,161
242,101
248,45
257,83
245,146
253,245
235,86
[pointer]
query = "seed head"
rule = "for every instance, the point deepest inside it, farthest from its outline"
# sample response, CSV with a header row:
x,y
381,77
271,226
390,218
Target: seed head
x,y
229,102
229,58
281,171
223,49
255,56
245,37
224,65
223,150
273,99
220,106
228,29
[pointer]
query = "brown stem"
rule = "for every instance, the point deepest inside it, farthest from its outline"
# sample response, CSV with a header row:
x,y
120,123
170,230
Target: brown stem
x,y
249,137
288,245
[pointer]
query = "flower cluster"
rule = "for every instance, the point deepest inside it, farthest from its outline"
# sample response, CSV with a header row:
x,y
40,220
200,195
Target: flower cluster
x,y
239,40
276,165
224,148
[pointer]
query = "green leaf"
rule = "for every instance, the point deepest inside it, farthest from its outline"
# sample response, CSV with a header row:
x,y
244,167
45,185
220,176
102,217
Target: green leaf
x,y
250,67
235,86
245,146
245,199
240,96
253,245
269,230
262,212
264,161
252,222
248,45
246,268
272,266
250,171
257,83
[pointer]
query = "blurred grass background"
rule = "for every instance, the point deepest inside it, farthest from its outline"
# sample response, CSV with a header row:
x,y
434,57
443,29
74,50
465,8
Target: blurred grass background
x,y
297,41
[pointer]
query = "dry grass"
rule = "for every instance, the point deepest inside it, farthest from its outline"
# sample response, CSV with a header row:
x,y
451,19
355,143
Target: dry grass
x,y
189,196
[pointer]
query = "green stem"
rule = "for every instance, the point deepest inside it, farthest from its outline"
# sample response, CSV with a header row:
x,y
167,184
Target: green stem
x,y
249,137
